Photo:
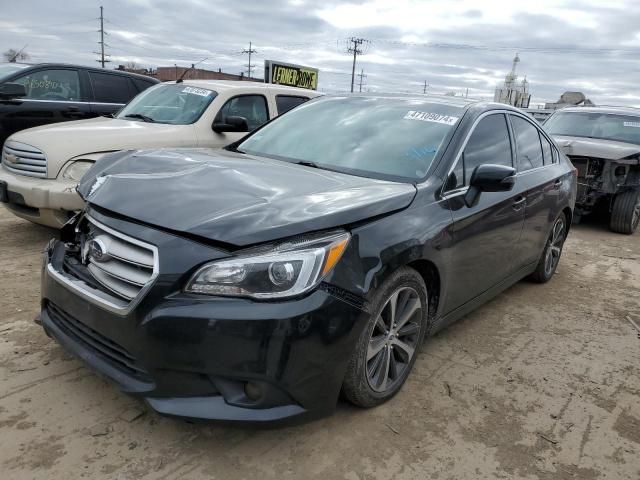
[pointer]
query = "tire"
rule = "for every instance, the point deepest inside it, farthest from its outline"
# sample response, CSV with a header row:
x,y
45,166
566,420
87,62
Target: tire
x,y
552,251
375,375
625,214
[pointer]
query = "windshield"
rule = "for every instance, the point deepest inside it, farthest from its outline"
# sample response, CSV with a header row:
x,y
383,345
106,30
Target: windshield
x,y
7,69
623,128
390,138
177,104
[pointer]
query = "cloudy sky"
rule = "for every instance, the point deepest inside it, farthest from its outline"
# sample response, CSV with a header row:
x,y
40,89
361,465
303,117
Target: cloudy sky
x,y
452,45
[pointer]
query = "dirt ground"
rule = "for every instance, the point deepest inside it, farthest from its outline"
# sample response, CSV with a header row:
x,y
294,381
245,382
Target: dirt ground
x,y
541,383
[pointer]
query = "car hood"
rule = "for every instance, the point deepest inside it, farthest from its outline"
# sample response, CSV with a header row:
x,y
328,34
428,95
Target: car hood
x,y
595,147
64,141
234,198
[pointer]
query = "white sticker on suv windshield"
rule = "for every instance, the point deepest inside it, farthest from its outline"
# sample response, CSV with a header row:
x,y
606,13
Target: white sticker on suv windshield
x,y
197,91
430,117
632,124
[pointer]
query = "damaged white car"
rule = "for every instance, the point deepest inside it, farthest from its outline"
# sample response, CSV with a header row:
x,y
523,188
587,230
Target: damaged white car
x,y
603,143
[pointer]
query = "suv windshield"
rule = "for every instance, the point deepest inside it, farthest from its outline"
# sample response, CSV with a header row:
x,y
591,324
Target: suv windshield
x,y
177,104
7,69
623,128
390,138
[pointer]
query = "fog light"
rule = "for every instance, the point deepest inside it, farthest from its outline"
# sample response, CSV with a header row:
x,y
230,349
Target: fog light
x,y
253,391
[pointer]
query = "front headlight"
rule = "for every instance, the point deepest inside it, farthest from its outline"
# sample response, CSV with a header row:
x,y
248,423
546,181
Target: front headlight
x,y
76,170
284,270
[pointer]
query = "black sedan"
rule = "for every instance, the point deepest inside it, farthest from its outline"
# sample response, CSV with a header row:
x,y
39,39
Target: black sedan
x,y
256,283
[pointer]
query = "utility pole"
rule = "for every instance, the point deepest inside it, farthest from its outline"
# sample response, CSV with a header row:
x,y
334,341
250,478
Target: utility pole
x,y
356,50
424,90
361,75
249,67
102,60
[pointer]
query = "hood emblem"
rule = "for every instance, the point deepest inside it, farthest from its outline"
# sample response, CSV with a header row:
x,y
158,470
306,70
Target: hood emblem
x,y
96,251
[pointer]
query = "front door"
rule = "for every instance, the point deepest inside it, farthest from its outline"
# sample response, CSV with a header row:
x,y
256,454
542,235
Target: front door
x,y
484,236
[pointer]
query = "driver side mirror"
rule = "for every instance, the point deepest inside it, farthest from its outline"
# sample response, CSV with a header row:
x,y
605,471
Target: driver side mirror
x,y
231,124
12,90
489,178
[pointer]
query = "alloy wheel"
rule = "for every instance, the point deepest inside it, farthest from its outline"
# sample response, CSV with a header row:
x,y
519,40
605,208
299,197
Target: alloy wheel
x,y
393,339
554,248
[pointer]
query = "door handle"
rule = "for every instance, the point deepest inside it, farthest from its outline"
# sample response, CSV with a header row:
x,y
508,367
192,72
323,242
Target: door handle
x,y
557,184
519,201
73,109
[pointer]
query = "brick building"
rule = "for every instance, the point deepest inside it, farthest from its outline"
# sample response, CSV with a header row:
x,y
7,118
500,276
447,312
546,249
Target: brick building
x,y
167,74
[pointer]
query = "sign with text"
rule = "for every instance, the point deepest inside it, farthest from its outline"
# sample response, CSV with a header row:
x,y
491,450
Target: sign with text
x,y
290,75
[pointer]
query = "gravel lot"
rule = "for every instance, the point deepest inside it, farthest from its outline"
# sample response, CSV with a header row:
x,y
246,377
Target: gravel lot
x,y
541,383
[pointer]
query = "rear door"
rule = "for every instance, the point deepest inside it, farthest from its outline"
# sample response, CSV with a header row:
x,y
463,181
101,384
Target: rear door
x,y
53,95
485,235
540,172
111,92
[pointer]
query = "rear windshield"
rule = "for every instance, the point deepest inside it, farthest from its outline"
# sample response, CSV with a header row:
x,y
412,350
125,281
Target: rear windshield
x,y
390,138
177,104
607,126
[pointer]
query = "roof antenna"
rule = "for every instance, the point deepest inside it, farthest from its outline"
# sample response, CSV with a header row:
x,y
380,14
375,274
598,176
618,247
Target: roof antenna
x,y
193,65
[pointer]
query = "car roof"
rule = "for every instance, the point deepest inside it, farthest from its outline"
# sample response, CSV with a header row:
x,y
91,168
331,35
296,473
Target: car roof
x,y
94,69
238,85
610,109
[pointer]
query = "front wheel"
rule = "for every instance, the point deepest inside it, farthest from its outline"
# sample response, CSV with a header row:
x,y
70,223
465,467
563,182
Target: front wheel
x,y
389,344
625,213
552,251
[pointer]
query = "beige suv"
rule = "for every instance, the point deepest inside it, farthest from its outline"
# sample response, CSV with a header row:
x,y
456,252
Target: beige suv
x,y
41,166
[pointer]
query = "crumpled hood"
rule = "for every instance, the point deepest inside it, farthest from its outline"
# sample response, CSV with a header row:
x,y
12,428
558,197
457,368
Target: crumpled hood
x,y
595,147
66,140
233,198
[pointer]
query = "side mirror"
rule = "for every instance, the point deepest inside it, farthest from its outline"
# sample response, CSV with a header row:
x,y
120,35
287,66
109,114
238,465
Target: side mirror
x,y
231,124
12,90
489,178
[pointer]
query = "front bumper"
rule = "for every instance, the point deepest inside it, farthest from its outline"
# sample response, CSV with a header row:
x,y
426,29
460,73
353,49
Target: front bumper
x,y
41,200
196,357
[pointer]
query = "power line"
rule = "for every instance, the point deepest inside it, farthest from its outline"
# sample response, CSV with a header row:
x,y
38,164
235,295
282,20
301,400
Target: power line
x,y
249,67
356,50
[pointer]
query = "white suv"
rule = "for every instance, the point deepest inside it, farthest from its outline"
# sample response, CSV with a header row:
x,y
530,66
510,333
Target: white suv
x,y
41,166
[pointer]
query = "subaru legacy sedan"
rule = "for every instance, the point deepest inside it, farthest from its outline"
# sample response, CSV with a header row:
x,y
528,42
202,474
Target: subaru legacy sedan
x,y
257,282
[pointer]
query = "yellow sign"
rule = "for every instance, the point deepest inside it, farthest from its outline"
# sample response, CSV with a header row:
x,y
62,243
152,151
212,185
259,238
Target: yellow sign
x,y
291,75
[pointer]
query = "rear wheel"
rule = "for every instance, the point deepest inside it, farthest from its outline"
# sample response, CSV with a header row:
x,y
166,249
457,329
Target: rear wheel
x,y
552,251
625,214
388,346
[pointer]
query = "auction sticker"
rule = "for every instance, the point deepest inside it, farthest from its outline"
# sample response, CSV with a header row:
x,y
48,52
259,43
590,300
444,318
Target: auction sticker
x,y
430,117
632,124
197,91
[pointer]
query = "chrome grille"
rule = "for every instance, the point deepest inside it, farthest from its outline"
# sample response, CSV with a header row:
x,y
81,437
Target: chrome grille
x,y
123,265
24,159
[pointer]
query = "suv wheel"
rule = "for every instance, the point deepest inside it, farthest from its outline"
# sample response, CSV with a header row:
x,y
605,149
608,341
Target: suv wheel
x,y
625,214
552,251
389,344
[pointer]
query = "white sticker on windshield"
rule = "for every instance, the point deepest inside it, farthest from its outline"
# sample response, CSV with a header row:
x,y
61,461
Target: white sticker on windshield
x,y
632,124
197,91
430,117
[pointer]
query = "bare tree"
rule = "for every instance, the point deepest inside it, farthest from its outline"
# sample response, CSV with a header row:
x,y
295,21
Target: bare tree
x,y
131,65
13,55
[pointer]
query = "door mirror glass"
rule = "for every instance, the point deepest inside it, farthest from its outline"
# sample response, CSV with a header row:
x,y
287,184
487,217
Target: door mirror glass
x,y
12,90
489,178
231,124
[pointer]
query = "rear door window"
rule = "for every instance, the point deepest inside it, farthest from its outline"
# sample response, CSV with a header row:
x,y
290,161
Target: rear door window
x,y
527,144
251,107
110,88
142,85
287,102
53,85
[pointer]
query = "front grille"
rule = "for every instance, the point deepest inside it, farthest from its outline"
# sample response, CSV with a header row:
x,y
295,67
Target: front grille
x,y
24,159
109,350
120,264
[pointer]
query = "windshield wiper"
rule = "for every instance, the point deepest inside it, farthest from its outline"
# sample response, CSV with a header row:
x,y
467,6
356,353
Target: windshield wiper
x,y
307,163
140,116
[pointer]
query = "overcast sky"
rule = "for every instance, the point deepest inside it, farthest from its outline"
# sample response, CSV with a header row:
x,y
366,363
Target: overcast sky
x,y
453,45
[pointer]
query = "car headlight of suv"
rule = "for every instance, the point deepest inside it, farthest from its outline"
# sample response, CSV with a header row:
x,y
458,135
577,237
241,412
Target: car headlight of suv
x,y
76,170
283,270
